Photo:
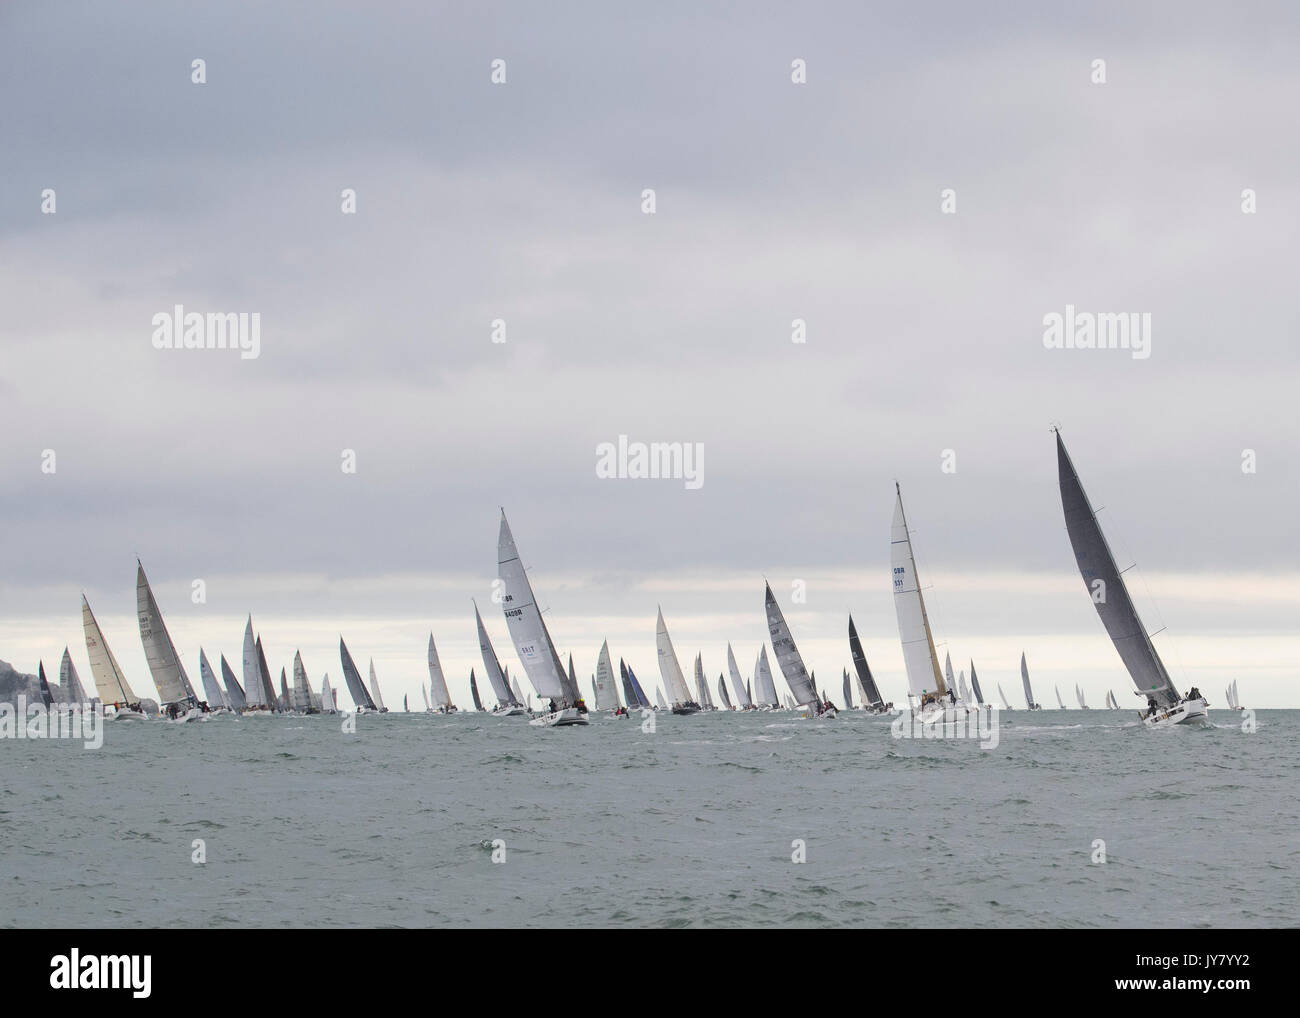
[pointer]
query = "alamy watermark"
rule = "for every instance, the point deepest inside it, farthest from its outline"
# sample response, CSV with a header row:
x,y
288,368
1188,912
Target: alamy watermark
x,y
657,460
179,329
1086,330
981,725
59,721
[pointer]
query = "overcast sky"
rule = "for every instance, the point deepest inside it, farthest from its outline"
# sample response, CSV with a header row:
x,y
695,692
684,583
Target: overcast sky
x,y
775,201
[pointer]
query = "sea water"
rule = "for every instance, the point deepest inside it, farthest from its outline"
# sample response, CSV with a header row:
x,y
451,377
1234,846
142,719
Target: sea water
x,y
716,819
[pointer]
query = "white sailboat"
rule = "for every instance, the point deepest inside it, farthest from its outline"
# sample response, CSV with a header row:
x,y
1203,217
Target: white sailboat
x,y
738,687
439,696
532,639
659,699
671,671
1109,595
374,689
1006,704
257,701
234,691
356,688
304,700
176,698
606,687
1024,678
114,691
1231,695
218,699
1059,702
507,706
765,686
70,682
1078,695
789,661
327,705
930,700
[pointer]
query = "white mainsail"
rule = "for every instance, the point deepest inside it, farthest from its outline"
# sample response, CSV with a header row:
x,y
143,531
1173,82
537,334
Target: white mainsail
x,y
70,681
659,699
110,683
1059,702
528,630
1006,705
438,694
766,692
669,668
737,684
234,692
787,654
606,690
164,663
303,698
919,656
514,688
254,689
963,690
374,687
327,697
216,696
1078,693
500,688
1024,678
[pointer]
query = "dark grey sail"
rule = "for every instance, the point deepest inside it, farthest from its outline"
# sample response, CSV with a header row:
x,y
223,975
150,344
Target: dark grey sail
x,y
629,694
722,692
874,699
233,689
268,690
47,697
360,695
1105,586
975,684
473,691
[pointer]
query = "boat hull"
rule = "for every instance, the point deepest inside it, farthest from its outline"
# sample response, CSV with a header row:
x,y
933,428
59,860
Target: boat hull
x,y
685,709
129,715
1188,712
508,712
560,719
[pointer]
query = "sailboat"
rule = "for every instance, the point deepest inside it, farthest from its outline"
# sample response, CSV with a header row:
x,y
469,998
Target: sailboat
x,y
374,689
70,681
671,671
360,695
218,700
935,703
1230,694
304,701
47,696
519,695
975,686
234,691
507,706
256,701
1111,702
722,692
439,698
176,699
473,691
766,697
604,688
847,691
532,639
268,690
659,699
1078,695
738,687
790,663
1006,704
1024,678
642,700
1059,702
327,705
872,701
1105,586
110,683
285,701
705,698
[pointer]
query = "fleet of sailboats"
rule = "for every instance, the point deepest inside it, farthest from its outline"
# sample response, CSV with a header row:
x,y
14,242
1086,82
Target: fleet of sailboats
x,y
934,694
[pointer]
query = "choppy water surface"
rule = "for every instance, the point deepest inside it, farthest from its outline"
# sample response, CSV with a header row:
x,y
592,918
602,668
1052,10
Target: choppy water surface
x,y
306,826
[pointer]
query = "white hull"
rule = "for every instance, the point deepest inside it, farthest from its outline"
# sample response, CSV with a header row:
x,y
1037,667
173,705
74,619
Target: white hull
x,y
128,715
508,712
1189,712
568,716
940,714
258,714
